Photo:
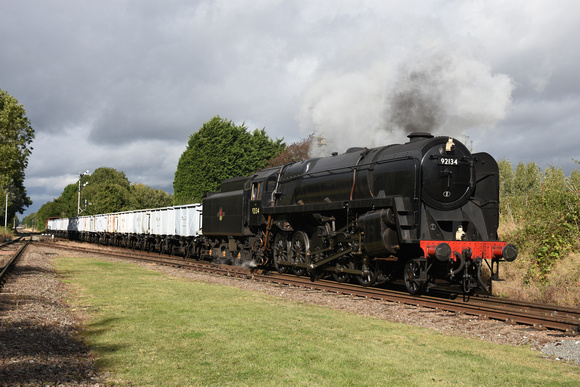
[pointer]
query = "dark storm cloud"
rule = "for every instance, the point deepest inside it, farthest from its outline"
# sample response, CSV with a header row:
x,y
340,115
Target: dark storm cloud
x,y
78,62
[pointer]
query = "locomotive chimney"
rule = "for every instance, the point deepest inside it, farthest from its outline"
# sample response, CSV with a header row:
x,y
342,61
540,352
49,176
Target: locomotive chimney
x,y
416,136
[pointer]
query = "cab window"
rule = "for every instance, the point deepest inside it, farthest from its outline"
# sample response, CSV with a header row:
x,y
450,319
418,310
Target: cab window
x,y
271,185
257,190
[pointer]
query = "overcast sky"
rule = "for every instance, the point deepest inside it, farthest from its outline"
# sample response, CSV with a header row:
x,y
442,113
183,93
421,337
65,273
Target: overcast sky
x,y
123,84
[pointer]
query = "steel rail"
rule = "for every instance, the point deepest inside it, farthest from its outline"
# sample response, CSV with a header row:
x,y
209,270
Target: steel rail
x,y
3,244
10,265
537,315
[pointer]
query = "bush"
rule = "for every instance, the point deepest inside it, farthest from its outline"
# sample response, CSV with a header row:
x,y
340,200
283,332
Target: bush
x,y
544,206
5,234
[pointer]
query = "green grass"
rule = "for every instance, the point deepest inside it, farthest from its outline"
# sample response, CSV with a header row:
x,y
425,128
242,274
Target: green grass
x,y
5,234
151,329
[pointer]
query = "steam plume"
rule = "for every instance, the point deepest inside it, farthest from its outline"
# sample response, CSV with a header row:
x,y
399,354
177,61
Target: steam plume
x,y
442,93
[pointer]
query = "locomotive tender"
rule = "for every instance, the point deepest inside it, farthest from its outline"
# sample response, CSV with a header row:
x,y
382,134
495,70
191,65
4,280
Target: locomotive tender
x,y
423,211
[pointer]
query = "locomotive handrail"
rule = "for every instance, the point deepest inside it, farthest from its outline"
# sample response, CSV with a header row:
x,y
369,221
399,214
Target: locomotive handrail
x,y
357,203
356,167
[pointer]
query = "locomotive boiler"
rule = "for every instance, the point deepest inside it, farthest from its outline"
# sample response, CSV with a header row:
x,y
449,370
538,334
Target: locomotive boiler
x,y
425,211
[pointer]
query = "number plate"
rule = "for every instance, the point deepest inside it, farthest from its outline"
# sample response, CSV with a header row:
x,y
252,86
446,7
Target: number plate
x,y
448,161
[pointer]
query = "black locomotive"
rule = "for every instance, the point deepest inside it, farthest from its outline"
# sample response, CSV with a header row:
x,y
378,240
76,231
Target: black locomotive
x,y
423,211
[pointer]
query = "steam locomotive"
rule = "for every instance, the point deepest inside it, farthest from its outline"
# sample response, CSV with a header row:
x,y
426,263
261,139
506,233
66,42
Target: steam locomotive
x,y
425,212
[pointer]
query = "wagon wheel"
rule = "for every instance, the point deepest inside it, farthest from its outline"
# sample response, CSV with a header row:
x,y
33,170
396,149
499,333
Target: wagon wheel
x,y
370,277
145,245
280,253
194,251
298,249
187,250
342,263
411,273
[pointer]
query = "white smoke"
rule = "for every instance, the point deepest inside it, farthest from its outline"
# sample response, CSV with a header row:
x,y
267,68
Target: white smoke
x,y
440,92
249,264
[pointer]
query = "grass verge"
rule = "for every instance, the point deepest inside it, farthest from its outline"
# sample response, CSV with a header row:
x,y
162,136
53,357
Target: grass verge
x,y
521,279
5,234
561,287
151,329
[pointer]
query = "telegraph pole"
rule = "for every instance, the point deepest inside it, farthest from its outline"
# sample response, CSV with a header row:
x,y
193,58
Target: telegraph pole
x,y
81,174
6,213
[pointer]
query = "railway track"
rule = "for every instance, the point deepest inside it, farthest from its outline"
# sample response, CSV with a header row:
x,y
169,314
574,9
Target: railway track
x,y
539,316
9,255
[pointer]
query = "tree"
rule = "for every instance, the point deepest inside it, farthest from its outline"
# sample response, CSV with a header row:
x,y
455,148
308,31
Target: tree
x,y
297,151
218,151
527,178
148,197
16,135
30,221
110,197
506,177
542,213
108,175
106,190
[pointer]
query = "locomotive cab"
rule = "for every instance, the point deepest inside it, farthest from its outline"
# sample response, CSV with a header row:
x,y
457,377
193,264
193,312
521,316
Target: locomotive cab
x,y
262,193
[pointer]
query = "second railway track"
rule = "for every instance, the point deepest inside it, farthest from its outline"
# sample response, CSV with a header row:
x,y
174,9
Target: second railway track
x,y
539,316
7,261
